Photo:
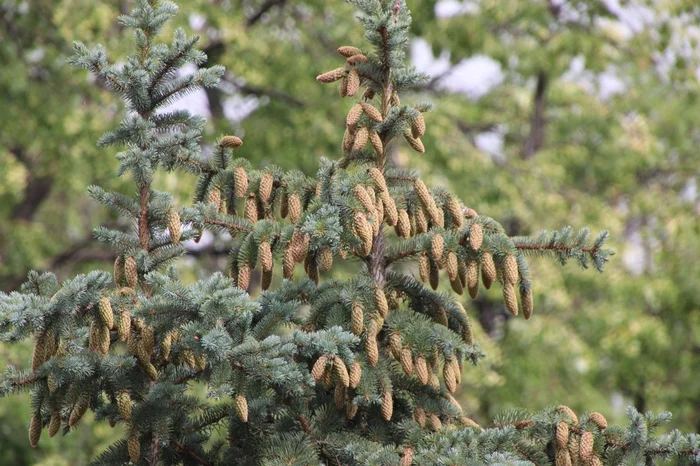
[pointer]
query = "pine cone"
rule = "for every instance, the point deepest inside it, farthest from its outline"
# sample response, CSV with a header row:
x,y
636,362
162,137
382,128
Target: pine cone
x,y
390,211
586,448
266,280
510,270
562,458
130,272
240,178
363,230
416,143
488,269
349,51
105,310
526,302
134,448
343,90
418,126
435,422
39,354
455,211
124,405
250,210
294,207
434,275
363,197
348,138
119,270
510,298
387,404
407,458
403,225
372,349
103,339
55,423
355,374
241,405
376,142
350,409
215,197
421,221
231,142
361,138
341,372
265,255
353,81
476,236
437,247
473,278
331,76
35,430
449,377
378,179
395,344
288,262
172,218
419,416
339,396
265,189
353,116
569,412
599,420
319,368
453,402
452,265
372,112
166,345
78,410
244,277
562,435
421,369
124,325
406,358
380,302
424,267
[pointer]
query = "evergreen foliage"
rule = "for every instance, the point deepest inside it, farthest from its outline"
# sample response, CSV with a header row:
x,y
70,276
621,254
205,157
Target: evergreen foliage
x,y
312,370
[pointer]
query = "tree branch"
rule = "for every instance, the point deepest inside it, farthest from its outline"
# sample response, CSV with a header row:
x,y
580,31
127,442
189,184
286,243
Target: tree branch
x,y
535,140
264,8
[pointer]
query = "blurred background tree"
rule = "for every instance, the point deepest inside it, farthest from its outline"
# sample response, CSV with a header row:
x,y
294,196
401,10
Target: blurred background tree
x,y
546,113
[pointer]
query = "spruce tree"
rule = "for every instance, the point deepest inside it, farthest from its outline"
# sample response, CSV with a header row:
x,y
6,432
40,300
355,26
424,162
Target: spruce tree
x,y
312,369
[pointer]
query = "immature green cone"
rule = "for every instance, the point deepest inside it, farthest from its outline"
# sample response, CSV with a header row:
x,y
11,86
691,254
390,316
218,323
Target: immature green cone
x,y
510,270
472,267
424,267
148,339
376,142
119,270
78,410
349,51
341,372
54,424
378,179
339,395
387,404
437,247
599,420
488,269
372,112
361,138
319,367
421,368
415,143
244,277
353,116
250,209
403,225
357,319
134,448
187,357
200,362
586,447
105,310
353,82
355,374
231,142
526,302
406,359
418,126
331,76
124,405
174,225
124,324
510,299
562,434
476,236
240,178
130,272
34,430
